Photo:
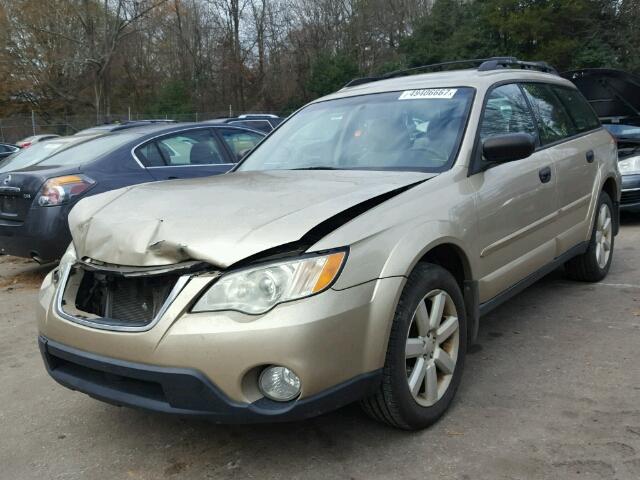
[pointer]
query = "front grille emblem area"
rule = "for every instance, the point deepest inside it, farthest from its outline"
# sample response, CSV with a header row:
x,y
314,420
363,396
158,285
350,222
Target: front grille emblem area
x,y
111,300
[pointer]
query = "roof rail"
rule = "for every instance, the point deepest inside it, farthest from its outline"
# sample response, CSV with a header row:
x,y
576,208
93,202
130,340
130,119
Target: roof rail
x,y
482,64
497,63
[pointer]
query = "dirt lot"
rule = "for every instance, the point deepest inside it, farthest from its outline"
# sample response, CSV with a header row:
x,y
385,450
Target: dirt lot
x,y
551,391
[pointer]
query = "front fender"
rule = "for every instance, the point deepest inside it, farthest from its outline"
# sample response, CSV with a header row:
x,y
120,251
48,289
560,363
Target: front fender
x,y
394,252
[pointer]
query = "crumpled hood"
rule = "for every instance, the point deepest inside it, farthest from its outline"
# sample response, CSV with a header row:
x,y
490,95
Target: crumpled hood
x,y
219,220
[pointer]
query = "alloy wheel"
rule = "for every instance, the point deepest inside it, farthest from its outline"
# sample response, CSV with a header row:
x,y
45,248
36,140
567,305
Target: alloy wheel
x,y
604,233
431,350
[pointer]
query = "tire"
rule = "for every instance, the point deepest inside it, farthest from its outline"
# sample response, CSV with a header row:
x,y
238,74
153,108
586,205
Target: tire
x,y
592,266
428,287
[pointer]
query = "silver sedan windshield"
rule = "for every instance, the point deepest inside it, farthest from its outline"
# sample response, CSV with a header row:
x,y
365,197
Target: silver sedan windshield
x,y
407,130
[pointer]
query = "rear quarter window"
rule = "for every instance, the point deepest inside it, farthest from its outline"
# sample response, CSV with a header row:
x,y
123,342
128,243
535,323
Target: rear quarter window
x,y
583,116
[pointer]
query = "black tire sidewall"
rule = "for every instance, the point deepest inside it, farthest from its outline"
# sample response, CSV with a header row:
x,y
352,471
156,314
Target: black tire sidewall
x,y
425,278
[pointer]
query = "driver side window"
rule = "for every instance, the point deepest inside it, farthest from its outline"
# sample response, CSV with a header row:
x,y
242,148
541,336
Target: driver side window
x,y
506,111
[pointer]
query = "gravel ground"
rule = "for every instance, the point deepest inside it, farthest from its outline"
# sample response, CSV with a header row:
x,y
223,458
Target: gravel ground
x,y
552,390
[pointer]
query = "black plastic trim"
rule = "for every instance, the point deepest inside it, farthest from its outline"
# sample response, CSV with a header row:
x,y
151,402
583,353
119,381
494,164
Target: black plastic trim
x,y
499,299
472,306
185,392
482,65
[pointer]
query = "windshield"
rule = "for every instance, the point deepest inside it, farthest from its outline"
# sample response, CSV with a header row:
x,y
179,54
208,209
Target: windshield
x,y
88,151
411,130
31,155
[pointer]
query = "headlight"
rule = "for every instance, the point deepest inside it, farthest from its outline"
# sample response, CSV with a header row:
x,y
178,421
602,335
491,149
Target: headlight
x,y
629,165
257,290
59,190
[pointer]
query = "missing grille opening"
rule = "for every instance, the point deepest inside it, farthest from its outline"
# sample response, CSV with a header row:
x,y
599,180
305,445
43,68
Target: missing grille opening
x,y
113,299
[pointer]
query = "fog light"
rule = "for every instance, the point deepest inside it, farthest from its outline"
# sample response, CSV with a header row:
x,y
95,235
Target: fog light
x,y
279,384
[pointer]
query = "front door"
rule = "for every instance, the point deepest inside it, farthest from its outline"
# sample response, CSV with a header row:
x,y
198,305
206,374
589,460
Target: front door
x,y
515,201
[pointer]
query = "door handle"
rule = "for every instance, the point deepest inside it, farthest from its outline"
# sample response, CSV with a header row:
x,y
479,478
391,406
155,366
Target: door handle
x,y
590,156
172,178
545,174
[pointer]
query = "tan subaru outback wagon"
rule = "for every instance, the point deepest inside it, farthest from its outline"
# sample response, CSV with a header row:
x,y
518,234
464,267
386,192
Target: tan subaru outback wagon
x,y
348,257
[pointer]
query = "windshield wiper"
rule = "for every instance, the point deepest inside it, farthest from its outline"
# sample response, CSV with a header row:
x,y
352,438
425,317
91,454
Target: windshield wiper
x,y
317,168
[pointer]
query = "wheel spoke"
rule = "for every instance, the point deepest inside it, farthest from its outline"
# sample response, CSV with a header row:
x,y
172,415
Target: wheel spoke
x,y
444,361
446,329
414,348
431,383
437,309
422,318
606,225
598,253
417,376
600,219
606,244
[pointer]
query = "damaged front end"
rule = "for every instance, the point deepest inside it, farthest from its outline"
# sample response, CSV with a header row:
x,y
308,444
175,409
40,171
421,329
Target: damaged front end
x,y
117,298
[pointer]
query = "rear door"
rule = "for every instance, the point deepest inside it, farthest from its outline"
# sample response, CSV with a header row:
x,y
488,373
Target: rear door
x,y
565,121
515,201
185,154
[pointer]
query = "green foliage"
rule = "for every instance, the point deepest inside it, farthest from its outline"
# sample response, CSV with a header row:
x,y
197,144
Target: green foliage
x,y
173,98
565,33
451,31
330,72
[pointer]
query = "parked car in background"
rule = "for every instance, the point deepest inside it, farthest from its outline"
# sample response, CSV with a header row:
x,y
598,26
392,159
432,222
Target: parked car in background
x,y
615,96
35,200
257,121
27,142
348,257
113,127
25,157
7,149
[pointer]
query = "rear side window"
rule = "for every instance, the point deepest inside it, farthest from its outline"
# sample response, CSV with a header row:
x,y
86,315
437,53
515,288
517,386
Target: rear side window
x,y
506,111
553,120
579,109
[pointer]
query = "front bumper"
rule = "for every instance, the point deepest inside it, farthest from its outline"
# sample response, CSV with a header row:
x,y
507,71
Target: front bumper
x,y
44,234
184,392
335,342
630,198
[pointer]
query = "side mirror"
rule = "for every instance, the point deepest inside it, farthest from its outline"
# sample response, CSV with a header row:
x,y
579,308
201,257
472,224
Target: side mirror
x,y
508,147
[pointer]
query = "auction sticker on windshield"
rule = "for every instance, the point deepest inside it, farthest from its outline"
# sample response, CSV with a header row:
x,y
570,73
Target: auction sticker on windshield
x,y
428,93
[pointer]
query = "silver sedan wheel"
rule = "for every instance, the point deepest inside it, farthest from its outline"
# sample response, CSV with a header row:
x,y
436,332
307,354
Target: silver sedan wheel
x,y
431,351
604,234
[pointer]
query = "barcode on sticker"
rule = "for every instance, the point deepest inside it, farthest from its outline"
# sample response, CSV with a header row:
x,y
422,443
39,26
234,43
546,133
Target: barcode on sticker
x,y
428,93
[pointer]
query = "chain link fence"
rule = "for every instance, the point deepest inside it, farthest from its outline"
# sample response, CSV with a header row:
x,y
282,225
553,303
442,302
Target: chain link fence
x,y
15,128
